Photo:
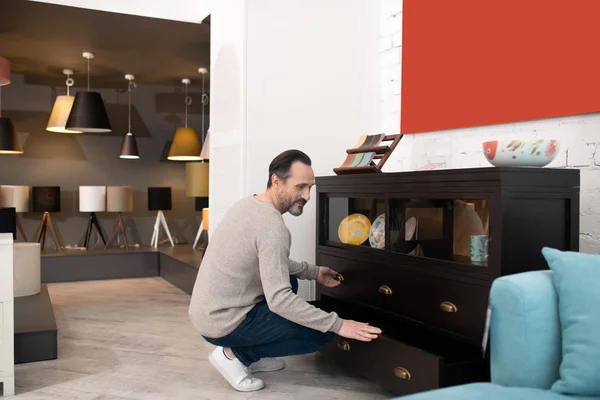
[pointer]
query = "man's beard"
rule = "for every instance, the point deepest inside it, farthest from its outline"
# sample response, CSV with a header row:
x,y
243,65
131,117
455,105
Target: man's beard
x,y
293,206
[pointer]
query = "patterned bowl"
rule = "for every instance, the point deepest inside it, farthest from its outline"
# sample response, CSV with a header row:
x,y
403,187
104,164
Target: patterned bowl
x,y
521,153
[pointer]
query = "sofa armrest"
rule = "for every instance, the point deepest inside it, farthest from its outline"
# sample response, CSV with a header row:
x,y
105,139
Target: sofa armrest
x,y
525,335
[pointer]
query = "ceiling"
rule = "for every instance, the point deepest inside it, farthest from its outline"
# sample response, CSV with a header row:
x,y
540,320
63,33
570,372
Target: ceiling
x,y
42,39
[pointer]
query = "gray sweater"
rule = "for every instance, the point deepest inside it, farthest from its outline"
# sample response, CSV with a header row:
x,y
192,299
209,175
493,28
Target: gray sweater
x,y
247,261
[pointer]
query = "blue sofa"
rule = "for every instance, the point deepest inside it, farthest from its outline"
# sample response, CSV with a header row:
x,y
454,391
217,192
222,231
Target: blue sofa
x,y
525,344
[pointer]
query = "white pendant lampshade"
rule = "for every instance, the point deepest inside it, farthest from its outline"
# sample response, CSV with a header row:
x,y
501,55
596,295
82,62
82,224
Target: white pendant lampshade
x,y
205,153
62,109
92,198
119,199
15,196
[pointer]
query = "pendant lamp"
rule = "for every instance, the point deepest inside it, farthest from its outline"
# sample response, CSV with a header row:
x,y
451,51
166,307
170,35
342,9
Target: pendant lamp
x,y
62,109
4,71
9,141
186,144
129,149
88,113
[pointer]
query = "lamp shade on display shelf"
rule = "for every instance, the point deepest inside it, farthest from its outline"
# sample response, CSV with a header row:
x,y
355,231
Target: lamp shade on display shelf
x,y
92,198
8,221
196,179
45,198
185,146
205,213
9,141
201,203
15,196
159,198
4,71
119,199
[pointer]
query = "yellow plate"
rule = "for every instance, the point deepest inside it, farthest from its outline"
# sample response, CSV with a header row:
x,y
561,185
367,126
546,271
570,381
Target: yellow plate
x,y
354,229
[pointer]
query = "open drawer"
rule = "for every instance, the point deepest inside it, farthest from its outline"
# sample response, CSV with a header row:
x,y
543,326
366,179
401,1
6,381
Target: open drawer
x,y
405,359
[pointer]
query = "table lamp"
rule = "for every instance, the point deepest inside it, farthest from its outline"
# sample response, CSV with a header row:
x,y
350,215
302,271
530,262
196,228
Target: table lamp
x,y
92,199
119,199
159,199
196,185
17,197
46,199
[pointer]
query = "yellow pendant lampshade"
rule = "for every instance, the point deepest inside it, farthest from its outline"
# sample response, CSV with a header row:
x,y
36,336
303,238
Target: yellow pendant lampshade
x,y
196,179
62,109
186,143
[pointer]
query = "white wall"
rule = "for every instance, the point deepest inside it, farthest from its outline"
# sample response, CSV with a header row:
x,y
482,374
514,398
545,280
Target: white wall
x,y
177,10
228,105
461,148
294,74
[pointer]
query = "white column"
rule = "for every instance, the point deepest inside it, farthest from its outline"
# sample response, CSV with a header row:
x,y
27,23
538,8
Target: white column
x,y
7,360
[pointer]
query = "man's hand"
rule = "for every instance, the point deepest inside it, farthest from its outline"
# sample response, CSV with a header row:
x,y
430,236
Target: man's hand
x,y
359,331
326,277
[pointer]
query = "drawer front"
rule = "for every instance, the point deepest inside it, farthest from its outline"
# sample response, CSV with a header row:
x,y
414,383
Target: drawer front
x,y
400,368
447,304
359,282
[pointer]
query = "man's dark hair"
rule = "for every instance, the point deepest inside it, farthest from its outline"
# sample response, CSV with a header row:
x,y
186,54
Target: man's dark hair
x,y
281,164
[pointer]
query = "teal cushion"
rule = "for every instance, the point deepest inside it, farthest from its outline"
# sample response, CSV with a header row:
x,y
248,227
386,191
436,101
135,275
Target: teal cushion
x,y
577,282
525,336
489,391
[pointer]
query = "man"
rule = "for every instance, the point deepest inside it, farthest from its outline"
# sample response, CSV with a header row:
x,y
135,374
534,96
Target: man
x,y
245,301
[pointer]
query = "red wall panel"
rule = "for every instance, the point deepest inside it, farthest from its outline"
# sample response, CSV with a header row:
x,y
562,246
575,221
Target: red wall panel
x,y
478,62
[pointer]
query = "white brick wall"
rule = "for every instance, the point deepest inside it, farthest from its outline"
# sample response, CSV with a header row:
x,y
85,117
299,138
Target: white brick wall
x,y
461,148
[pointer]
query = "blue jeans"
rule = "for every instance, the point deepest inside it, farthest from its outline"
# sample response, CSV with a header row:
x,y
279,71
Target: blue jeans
x,y
265,334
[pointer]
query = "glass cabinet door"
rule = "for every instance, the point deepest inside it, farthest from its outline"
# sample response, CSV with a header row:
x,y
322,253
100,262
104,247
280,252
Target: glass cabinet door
x,y
445,229
357,221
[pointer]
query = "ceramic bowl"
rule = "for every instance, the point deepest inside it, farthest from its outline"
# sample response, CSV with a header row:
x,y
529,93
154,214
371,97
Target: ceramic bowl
x,y
521,153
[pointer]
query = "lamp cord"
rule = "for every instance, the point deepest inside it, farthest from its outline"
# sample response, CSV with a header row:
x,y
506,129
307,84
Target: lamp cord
x,y
187,101
88,80
129,94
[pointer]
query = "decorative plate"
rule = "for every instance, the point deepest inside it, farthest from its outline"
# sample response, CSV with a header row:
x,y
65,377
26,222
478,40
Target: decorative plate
x,y
354,229
377,234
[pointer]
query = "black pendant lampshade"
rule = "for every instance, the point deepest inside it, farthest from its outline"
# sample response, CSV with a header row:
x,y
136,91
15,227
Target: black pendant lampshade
x,y
159,198
88,114
129,147
201,202
9,141
45,198
8,221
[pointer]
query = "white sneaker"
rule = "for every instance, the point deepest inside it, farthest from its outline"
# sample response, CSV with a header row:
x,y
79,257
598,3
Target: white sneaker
x,y
267,365
234,372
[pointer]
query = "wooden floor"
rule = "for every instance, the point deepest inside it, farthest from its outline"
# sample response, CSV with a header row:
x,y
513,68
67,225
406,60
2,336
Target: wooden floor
x,y
132,339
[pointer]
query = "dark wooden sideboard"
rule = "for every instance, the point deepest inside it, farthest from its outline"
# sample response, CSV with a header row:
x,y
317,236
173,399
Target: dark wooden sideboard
x,y
413,275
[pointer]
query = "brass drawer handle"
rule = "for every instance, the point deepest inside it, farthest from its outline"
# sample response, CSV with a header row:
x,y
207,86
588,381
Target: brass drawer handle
x,y
343,345
339,277
402,373
448,307
384,289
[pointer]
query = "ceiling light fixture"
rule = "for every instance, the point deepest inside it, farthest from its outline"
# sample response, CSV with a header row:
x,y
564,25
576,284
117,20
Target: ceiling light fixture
x,y
186,144
88,113
129,149
62,108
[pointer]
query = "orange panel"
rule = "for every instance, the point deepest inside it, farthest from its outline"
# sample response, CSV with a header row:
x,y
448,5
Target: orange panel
x,y
479,62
